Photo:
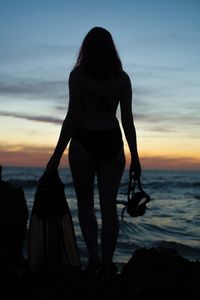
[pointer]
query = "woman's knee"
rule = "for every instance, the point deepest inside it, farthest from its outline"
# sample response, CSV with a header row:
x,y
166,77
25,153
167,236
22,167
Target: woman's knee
x,y
86,213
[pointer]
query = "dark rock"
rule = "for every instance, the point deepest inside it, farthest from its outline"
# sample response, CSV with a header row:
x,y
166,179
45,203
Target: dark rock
x,y
161,274
13,226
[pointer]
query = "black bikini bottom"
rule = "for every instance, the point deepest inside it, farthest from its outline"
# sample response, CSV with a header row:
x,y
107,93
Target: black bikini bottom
x,y
102,145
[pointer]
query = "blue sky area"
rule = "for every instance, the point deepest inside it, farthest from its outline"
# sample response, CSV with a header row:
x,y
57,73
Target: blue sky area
x,y
159,45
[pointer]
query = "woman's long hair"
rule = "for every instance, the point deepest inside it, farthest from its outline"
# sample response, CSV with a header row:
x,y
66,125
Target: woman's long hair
x,y
98,55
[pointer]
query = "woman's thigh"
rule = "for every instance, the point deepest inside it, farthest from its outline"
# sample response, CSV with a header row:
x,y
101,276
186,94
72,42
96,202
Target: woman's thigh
x,y
109,175
83,174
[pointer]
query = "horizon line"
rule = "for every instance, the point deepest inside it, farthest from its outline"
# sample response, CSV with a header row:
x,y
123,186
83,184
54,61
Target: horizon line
x,y
126,168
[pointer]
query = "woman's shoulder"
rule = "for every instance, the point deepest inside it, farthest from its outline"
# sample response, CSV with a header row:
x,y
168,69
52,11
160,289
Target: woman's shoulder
x,y
124,76
124,80
75,73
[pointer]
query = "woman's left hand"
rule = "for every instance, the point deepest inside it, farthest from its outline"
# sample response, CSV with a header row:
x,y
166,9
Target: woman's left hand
x,y
135,169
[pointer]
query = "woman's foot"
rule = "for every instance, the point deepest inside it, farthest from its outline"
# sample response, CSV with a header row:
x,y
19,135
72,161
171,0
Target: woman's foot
x,y
91,269
106,272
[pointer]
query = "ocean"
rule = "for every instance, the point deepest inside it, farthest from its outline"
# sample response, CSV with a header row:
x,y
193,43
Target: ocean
x,y
171,220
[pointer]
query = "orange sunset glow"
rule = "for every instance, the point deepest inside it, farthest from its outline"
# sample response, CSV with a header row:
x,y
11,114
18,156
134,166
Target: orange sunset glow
x,y
164,155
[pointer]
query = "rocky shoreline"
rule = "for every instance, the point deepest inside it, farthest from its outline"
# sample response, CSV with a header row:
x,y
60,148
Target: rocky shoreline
x,y
150,273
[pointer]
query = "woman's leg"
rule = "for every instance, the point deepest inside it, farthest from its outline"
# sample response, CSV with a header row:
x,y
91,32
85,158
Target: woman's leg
x,y
83,174
109,176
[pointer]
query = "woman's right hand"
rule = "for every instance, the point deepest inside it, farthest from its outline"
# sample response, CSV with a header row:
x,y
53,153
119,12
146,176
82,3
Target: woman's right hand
x,y
52,165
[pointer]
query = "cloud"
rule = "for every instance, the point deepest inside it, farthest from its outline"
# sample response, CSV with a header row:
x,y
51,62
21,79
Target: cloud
x,y
36,118
171,162
26,155
35,71
33,88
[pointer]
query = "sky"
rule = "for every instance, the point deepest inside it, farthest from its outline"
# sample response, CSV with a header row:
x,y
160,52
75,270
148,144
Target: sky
x,y
159,44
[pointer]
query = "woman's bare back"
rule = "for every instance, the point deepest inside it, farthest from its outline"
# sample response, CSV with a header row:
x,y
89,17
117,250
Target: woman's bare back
x,y
99,100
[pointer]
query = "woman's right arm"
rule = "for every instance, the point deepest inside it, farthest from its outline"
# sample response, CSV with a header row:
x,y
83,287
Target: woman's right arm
x,y
128,126
70,123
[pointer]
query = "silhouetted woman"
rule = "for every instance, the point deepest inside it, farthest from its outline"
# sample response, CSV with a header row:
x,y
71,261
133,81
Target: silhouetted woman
x,y
97,85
